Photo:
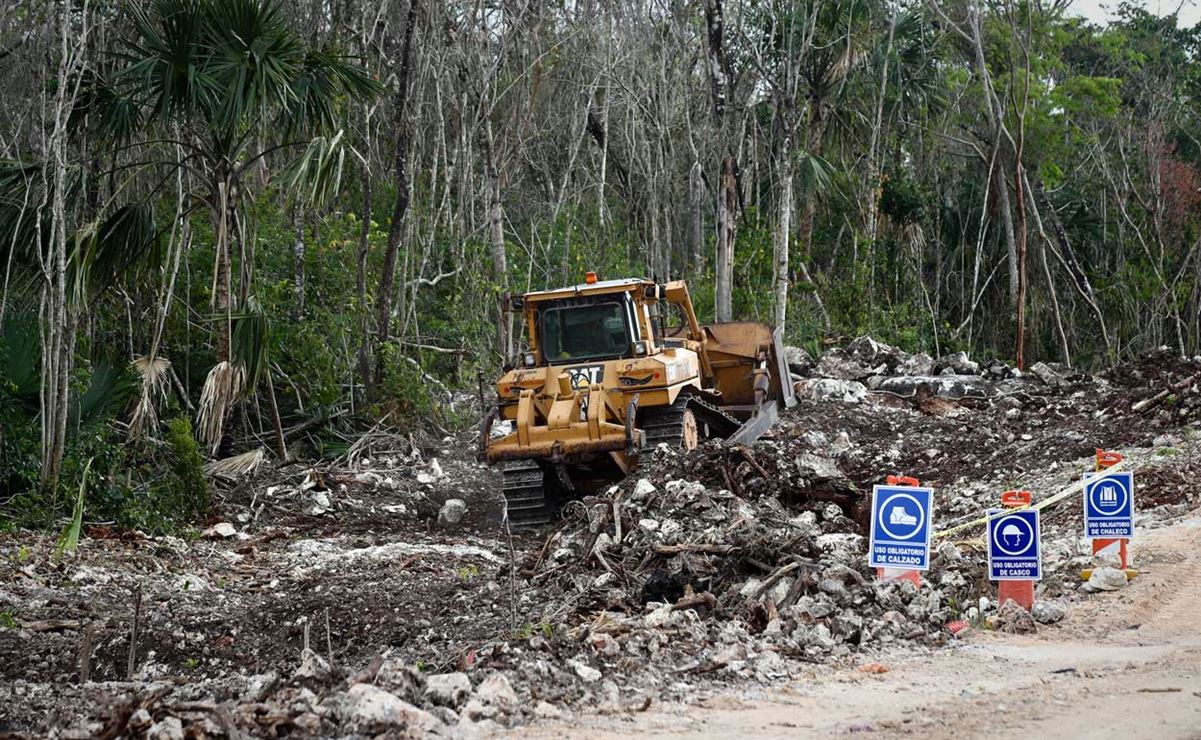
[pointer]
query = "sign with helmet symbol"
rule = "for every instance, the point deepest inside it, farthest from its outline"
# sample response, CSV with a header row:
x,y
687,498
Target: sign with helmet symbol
x,y
1013,545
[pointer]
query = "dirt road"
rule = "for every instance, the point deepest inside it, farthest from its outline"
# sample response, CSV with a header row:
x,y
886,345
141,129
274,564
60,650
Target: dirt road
x,y
1126,665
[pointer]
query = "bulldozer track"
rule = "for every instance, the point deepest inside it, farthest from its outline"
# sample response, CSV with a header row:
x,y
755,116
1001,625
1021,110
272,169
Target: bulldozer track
x,y
524,486
666,425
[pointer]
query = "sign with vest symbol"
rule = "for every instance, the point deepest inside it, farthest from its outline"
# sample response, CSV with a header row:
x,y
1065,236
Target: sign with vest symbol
x,y
900,528
1013,545
1109,505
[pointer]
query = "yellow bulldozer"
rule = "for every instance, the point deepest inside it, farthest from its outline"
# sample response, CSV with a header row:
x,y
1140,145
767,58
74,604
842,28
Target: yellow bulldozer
x,y
611,370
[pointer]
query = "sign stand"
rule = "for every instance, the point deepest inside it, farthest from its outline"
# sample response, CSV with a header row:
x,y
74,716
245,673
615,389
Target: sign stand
x,y
1111,547
901,574
1020,591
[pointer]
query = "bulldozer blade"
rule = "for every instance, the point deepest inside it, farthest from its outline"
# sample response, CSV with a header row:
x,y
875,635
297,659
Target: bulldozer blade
x,y
754,427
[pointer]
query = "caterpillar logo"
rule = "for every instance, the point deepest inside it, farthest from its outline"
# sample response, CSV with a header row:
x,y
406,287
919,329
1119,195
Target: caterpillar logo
x,y
582,378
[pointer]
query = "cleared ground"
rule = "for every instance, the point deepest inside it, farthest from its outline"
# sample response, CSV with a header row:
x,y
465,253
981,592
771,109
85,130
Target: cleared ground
x,y
1125,666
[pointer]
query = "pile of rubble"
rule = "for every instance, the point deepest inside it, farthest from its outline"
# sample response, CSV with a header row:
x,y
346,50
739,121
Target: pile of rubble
x,y
1160,380
863,365
386,698
690,578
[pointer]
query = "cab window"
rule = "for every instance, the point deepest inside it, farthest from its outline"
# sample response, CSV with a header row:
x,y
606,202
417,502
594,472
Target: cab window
x,y
585,331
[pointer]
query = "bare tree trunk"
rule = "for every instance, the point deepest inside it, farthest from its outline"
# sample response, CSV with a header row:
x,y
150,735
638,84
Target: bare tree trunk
x,y
727,189
58,318
298,249
996,123
1045,244
281,449
401,124
222,285
496,244
718,77
696,202
727,214
1071,265
1020,340
814,138
1019,187
784,226
364,354
874,181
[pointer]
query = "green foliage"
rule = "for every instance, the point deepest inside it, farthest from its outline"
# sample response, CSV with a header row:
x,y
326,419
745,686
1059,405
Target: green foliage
x,y
224,62
68,541
1089,97
250,340
200,94
20,441
109,388
189,490
20,364
901,199
529,629
405,392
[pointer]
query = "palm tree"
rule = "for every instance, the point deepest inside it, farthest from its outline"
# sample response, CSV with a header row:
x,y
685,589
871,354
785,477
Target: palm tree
x,y
225,84
841,32
197,95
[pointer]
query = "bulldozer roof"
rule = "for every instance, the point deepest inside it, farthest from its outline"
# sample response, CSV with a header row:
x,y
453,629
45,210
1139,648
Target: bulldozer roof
x,y
603,286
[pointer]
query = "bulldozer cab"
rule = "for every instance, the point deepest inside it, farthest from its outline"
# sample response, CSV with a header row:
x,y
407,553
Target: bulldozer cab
x,y
595,321
581,328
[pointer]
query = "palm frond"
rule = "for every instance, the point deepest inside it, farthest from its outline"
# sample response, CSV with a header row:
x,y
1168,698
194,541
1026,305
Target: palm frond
x,y
254,60
250,340
222,387
315,175
164,62
324,78
236,466
21,194
109,389
155,376
68,541
816,177
104,252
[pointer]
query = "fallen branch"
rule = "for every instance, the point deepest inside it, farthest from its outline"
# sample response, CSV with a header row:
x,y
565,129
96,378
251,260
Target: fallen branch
x,y
85,653
771,580
1176,388
704,598
746,455
132,662
368,674
249,546
709,549
51,625
435,348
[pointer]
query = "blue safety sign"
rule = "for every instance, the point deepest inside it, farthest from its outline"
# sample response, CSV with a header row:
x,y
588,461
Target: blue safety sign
x,y
900,529
1109,505
1013,550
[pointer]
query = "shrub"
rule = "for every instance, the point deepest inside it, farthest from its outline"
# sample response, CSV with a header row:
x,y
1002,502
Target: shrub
x,y
189,487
